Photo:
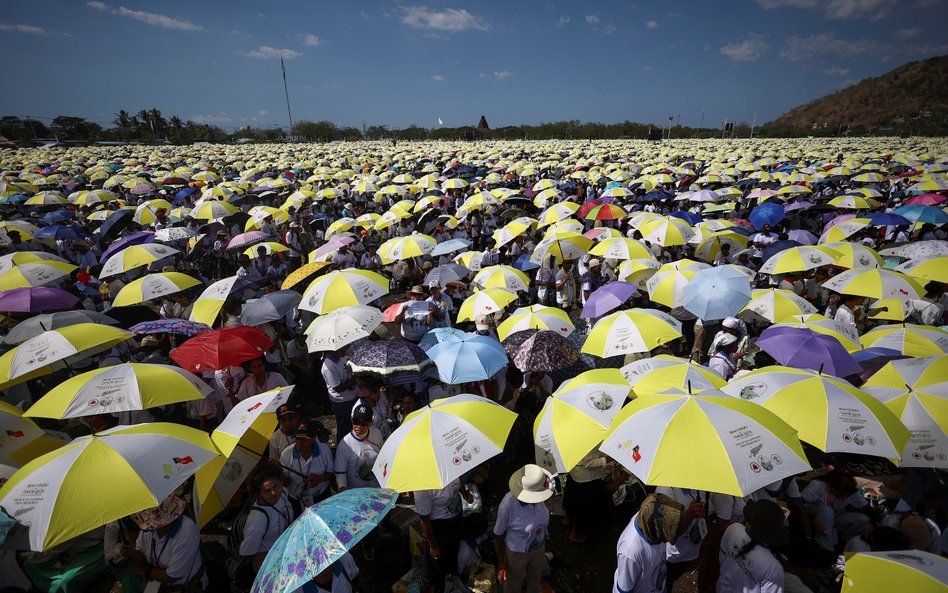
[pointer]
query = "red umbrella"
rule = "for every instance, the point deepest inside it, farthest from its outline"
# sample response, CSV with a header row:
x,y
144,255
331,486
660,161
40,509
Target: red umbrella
x,y
587,206
220,348
391,313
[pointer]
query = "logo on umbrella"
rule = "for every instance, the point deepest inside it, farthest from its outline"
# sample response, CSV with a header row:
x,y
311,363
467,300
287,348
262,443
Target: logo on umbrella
x,y
17,434
254,407
636,456
182,460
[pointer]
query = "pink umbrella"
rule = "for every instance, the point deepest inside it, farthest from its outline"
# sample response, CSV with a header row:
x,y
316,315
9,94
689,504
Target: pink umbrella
x,y
332,245
244,240
928,199
837,220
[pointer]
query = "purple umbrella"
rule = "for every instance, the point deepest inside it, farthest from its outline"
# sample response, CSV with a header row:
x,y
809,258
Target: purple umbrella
x,y
39,298
798,205
835,220
332,245
181,327
607,297
805,349
138,238
802,237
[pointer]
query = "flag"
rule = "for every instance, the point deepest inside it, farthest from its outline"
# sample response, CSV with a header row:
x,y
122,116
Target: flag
x,y
440,123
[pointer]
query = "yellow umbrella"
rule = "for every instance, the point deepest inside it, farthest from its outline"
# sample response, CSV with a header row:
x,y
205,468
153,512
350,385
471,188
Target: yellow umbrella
x,y
485,302
36,273
906,570
153,286
621,248
270,247
631,331
927,269
663,372
536,317
21,440
501,277
342,288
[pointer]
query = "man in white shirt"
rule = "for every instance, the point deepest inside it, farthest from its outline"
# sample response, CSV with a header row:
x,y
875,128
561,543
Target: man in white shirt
x,y
640,551
308,466
341,388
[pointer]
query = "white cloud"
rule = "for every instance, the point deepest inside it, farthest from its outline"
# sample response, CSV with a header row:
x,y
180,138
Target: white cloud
x,y
211,118
502,75
748,50
835,71
592,19
21,28
908,33
797,49
448,19
265,51
311,40
837,9
652,24
562,21
438,78
151,18
263,112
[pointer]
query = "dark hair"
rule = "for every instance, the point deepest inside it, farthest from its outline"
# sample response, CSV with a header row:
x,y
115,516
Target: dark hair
x,y
262,474
371,381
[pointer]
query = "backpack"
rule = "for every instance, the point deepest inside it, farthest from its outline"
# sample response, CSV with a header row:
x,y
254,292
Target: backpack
x,y
240,572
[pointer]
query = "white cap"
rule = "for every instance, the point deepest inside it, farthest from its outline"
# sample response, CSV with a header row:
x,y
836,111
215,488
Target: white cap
x,y
727,340
731,322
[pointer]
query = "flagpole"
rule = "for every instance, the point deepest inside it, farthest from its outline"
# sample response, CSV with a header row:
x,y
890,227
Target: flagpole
x,y
287,93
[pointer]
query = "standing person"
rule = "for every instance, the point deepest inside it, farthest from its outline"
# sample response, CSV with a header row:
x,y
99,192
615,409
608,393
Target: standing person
x,y
357,451
370,391
592,279
285,434
168,546
309,466
641,548
416,315
269,516
292,240
747,560
341,388
442,306
258,380
521,528
681,554
442,522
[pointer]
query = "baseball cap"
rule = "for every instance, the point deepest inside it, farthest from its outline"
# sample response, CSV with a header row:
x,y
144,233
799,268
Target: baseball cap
x,y
362,415
305,431
283,410
594,262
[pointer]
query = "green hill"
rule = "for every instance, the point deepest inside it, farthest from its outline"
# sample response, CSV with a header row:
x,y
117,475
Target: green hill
x,y
912,99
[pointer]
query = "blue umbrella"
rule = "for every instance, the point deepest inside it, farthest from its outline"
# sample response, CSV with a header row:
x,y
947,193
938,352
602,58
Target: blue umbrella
x,y
58,216
716,293
182,195
467,358
524,264
768,213
14,199
438,335
689,217
450,246
888,219
920,213
60,231
138,238
114,224
323,534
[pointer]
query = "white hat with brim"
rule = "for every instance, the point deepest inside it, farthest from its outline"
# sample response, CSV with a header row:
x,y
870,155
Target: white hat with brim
x,y
531,484
164,514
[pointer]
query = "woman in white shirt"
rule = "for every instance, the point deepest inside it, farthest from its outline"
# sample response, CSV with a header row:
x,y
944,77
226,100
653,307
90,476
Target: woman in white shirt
x,y
747,562
259,380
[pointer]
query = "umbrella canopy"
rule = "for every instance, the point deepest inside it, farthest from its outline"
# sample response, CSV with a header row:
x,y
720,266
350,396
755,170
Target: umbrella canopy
x,y
135,256
501,277
905,570
855,255
804,348
876,283
828,412
22,440
114,247
916,390
620,248
336,330
540,350
798,259
563,245
33,299
153,286
250,424
908,338
716,293
774,304
399,248
732,446
322,535
766,214
450,246
33,274
845,334
142,464
303,272
208,306
441,442
927,269
179,327
56,349
536,317
216,483
34,326
447,274
119,388
273,306
627,332
343,288
467,358
221,348
388,357
575,420
663,372
667,285
608,297
485,302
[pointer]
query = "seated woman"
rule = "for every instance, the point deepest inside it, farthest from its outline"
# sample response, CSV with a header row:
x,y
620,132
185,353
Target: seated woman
x,y
259,380
168,546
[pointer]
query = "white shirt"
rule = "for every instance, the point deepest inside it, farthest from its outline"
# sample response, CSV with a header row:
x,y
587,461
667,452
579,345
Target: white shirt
x,y
177,552
439,504
442,316
845,316
335,373
248,387
640,565
720,364
685,548
523,525
355,458
320,462
757,571
264,525
343,571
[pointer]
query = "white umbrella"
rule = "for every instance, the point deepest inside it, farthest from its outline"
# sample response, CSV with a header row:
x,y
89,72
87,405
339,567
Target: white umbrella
x,y
341,327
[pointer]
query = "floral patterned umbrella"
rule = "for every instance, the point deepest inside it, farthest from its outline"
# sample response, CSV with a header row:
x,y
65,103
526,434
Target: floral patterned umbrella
x,y
322,535
181,327
540,350
388,357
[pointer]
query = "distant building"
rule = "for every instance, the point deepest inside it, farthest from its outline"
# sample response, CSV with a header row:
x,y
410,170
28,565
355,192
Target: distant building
x,y
482,125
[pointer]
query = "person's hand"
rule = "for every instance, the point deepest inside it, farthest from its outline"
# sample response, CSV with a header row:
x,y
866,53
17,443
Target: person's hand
x,y
502,575
694,511
229,382
312,480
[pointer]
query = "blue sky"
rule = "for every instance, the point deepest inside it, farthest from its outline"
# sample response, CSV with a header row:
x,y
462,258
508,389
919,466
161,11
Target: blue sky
x,y
398,63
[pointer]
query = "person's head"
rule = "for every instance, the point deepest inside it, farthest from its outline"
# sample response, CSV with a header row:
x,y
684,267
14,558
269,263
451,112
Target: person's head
x,y
731,325
766,228
162,517
434,289
407,404
595,265
182,298
841,483
267,484
305,435
765,523
726,249
659,518
417,293
243,260
14,236
728,344
361,420
256,367
288,419
369,386
743,259
231,307
531,484
261,251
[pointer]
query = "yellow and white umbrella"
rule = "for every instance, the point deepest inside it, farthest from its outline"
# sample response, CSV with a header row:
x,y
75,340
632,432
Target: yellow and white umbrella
x,y
854,203
667,231
21,440
841,231
120,388
828,412
899,310
213,209
343,288
563,245
575,420
638,271
774,305
399,248
927,269
916,390
153,286
631,331
798,259
908,338
621,248
269,248
709,248
35,273
855,255
513,229
251,422
135,256
876,283
536,317
667,285
207,306
732,446
101,478
507,277
556,213
663,372
905,570
335,330
391,217
485,302
340,226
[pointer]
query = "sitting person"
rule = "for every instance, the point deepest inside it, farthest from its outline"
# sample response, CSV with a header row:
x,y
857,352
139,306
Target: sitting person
x,y
169,546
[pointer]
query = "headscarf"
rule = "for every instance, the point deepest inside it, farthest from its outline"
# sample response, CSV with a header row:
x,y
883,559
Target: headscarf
x,y
658,518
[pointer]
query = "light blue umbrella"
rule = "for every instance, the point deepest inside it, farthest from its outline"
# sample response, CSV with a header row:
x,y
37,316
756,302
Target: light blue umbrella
x,y
438,335
324,533
920,213
716,293
467,358
450,246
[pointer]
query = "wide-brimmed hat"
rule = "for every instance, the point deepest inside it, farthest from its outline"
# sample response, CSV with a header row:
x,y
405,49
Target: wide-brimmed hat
x,y
531,483
659,517
594,262
418,289
766,523
160,516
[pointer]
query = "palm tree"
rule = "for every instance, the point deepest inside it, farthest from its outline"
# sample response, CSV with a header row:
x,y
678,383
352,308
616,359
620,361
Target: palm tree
x,y
144,125
158,123
176,126
123,121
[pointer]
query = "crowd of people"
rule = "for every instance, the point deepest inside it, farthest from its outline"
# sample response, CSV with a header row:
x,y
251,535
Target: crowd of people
x,y
280,217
